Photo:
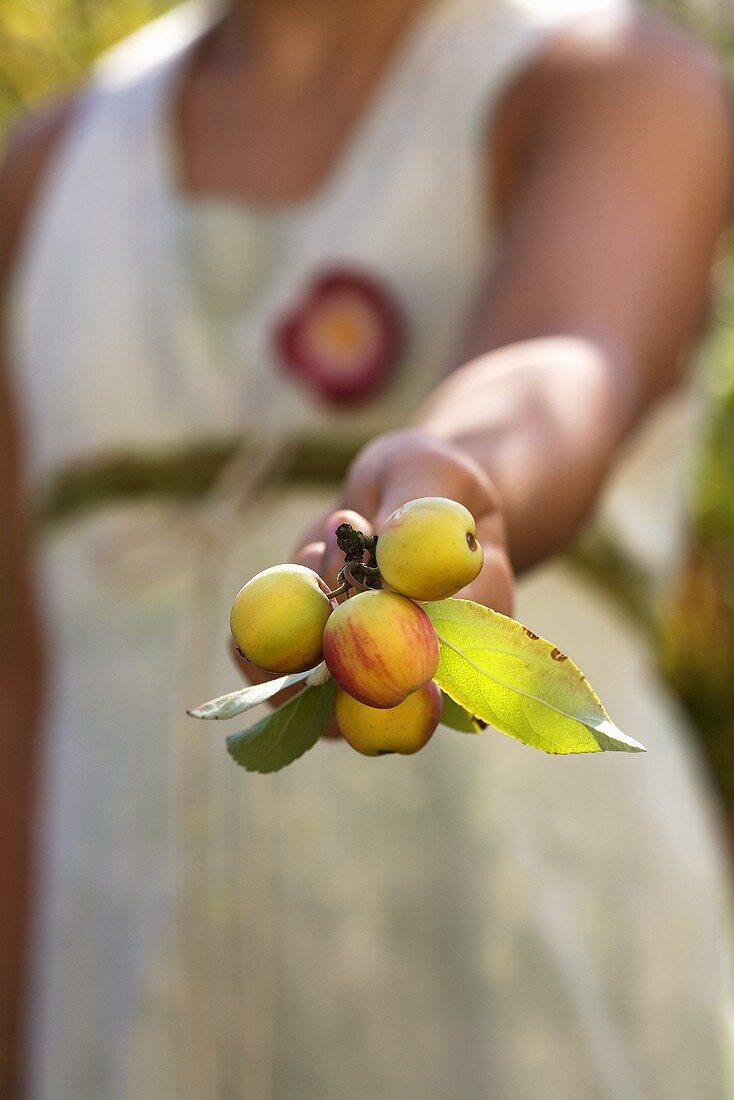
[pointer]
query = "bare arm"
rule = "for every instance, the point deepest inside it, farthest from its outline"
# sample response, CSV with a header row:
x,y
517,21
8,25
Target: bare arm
x,y
21,661
614,160
612,221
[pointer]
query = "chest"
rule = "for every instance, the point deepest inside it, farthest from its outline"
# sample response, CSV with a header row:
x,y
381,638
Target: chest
x,y
268,122
148,317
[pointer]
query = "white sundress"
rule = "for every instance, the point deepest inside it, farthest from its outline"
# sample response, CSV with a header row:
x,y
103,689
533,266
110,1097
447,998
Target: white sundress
x,y
479,921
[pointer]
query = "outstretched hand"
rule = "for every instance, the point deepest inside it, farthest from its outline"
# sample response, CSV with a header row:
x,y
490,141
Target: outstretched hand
x,y
398,467
389,471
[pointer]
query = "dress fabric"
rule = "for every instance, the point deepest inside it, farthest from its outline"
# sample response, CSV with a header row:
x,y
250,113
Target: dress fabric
x,y
479,921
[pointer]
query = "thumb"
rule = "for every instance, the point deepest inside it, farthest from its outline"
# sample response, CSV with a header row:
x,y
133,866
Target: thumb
x,y
466,487
321,552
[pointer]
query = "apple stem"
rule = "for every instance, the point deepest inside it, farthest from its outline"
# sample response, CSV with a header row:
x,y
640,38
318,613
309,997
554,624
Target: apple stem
x,y
340,591
355,573
360,575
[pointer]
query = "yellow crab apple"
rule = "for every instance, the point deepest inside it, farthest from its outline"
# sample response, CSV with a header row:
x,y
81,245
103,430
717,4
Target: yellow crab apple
x,y
278,619
428,549
404,729
380,647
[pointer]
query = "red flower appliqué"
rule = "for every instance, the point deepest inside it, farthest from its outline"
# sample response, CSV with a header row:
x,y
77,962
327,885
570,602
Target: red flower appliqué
x,y
344,338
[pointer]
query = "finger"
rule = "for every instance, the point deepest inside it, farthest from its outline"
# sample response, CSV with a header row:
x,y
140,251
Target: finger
x,y
432,475
312,556
315,532
491,529
319,550
495,585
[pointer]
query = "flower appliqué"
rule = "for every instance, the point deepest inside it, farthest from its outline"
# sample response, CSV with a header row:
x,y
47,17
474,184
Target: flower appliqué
x,y
344,338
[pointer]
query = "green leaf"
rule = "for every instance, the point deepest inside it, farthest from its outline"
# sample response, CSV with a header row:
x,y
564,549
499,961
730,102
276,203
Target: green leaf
x,y
237,702
456,718
503,673
281,737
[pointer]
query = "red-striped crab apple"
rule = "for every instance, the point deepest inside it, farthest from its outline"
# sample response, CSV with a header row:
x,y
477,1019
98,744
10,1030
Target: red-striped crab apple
x,y
380,647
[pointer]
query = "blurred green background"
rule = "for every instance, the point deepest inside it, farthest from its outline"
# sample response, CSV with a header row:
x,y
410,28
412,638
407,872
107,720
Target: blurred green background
x,y
694,625
45,48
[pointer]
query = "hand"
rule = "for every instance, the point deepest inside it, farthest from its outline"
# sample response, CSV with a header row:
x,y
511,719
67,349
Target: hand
x,y
389,471
401,466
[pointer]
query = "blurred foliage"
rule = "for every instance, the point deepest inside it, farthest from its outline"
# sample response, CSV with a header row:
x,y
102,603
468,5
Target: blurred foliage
x,y
696,624
712,20
47,45
45,48
696,620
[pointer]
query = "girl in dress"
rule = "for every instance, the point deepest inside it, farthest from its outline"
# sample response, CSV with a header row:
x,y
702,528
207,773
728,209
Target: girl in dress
x,y
239,271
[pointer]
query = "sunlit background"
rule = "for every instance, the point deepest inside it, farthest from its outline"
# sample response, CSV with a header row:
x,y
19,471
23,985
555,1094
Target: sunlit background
x,y
45,48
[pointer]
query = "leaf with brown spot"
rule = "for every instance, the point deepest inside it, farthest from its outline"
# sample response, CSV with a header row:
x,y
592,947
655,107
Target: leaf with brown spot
x,y
492,668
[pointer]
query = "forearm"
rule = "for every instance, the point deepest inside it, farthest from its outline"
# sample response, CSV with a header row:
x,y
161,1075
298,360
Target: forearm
x,y
20,691
612,172
544,419
21,676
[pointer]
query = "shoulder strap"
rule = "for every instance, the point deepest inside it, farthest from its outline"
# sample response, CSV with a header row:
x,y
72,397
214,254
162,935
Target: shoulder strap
x,y
434,104
156,43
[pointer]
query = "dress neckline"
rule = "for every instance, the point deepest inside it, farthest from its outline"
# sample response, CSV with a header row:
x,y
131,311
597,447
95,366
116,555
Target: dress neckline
x,y
406,60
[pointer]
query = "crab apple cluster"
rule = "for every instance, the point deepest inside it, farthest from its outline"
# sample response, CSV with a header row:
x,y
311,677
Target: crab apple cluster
x,y
379,644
